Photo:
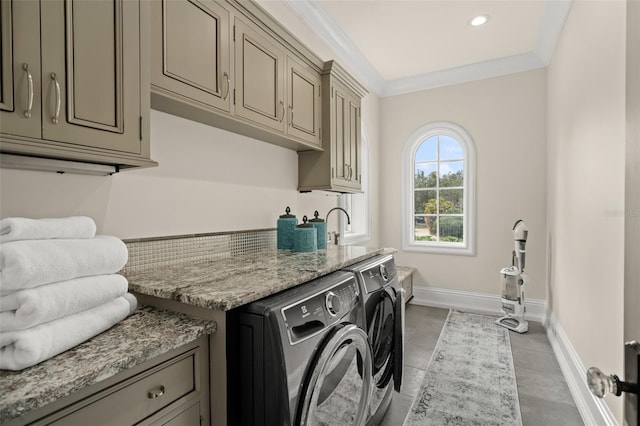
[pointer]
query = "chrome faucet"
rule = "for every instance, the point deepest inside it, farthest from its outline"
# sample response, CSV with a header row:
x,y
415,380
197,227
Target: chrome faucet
x,y
336,235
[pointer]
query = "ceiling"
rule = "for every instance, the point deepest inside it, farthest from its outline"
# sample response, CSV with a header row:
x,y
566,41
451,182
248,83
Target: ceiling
x,y
401,46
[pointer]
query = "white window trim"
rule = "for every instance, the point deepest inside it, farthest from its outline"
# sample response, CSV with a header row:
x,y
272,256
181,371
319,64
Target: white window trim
x,y
467,248
352,237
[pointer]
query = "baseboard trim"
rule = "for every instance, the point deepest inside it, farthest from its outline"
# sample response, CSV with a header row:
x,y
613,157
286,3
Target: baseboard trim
x,y
594,411
481,303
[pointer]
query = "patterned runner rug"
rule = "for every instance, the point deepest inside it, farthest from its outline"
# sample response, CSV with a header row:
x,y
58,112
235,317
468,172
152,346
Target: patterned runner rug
x,y
470,379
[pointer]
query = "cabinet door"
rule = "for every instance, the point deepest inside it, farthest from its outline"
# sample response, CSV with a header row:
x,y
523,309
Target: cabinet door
x,y
339,129
303,94
190,50
259,63
91,73
20,68
352,150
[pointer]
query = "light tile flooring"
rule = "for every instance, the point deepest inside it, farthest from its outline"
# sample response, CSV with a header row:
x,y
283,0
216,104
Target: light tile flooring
x,y
544,396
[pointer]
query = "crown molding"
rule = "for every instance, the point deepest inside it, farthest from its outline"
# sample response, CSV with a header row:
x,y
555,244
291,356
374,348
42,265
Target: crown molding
x,y
348,54
319,21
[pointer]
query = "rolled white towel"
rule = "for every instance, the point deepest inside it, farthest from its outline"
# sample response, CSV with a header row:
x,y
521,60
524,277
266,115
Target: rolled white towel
x,y
28,264
22,228
27,308
25,348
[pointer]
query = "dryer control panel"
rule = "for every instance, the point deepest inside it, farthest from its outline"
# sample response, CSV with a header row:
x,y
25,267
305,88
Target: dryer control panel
x,y
379,274
310,316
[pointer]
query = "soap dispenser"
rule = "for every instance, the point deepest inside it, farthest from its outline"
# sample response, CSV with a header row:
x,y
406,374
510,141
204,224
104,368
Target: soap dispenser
x,y
321,227
286,225
305,237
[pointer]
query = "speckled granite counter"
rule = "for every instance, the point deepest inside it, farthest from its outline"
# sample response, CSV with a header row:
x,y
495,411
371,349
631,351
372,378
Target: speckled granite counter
x,y
404,272
147,333
226,283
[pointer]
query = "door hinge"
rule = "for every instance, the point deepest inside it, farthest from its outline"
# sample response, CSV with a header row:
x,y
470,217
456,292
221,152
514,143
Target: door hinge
x,y
140,124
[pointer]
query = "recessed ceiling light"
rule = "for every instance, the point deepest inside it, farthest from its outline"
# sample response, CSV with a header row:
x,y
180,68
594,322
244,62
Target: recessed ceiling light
x,y
479,20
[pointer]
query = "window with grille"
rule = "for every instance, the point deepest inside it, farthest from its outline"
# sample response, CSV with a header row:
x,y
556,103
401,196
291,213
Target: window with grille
x,y
439,190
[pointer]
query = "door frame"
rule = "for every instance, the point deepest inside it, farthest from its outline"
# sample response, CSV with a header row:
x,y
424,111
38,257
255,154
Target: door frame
x,y
632,208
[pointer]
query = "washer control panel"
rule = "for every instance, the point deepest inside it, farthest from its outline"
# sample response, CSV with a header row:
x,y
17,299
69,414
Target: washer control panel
x,y
313,314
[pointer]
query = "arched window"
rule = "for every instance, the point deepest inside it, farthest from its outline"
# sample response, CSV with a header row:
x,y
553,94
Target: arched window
x,y
439,190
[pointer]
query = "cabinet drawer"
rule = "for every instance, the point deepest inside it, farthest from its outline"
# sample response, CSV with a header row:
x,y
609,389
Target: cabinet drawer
x,y
139,397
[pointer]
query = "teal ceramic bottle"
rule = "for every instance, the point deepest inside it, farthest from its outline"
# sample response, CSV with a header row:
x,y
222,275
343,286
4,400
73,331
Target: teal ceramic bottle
x,y
321,227
305,237
286,225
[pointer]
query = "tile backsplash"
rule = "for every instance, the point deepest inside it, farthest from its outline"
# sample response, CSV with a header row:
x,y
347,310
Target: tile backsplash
x,y
147,253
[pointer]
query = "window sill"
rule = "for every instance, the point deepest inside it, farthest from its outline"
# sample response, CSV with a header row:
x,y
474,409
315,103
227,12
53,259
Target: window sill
x,y
355,239
440,249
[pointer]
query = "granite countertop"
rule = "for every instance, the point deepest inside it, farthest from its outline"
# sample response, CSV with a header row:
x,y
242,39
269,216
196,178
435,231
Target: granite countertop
x,y
404,271
147,333
225,283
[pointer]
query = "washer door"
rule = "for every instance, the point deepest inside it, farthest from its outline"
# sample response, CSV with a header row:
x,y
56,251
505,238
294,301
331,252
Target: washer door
x,y
338,386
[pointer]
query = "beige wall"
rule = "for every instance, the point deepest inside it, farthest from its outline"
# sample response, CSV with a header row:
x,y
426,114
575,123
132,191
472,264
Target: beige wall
x,y
506,117
586,183
208,180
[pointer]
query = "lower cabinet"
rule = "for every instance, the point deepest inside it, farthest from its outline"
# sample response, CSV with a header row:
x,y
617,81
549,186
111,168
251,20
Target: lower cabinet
x,y
172,389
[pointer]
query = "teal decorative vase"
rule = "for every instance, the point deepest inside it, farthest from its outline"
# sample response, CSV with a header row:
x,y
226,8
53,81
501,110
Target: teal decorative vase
x,y
286,225
305,237
321,227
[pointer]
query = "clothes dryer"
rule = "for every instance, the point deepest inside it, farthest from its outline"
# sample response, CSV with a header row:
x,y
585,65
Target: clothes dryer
x,y
301,357
383,298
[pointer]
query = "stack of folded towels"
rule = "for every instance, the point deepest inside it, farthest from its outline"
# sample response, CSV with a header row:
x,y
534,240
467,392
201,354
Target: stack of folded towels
x,y
58,287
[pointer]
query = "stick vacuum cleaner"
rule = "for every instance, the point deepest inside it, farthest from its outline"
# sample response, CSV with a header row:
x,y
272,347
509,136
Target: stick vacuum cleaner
x,y
513,282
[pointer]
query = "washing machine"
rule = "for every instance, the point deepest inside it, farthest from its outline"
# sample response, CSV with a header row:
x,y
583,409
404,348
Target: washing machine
x,y
301,357
383,298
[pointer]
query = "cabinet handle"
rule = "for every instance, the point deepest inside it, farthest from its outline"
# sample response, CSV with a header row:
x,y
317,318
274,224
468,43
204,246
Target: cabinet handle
x,y
54,119
156,393
283,111
291,123
350,172
27,112
226,96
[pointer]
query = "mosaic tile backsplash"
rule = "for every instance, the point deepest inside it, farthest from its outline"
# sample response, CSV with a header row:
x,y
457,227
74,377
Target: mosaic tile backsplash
x,y
147,253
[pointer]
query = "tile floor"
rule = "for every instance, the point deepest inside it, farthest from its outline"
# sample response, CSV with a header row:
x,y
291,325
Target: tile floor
x,y
544,396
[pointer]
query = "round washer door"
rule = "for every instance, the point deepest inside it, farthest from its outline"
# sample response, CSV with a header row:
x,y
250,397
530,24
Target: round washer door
x,y
338,386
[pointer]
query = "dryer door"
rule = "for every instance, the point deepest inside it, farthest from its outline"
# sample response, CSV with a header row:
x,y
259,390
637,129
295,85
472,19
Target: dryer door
x,y
338,386
398,339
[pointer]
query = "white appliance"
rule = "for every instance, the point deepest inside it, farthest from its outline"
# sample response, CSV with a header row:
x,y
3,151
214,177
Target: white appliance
x,y
513,281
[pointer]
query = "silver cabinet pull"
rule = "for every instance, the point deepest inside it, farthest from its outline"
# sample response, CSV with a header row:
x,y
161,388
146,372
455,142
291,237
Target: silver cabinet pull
x,y
283,111
156,393
54,119
27,112
226,96
291,123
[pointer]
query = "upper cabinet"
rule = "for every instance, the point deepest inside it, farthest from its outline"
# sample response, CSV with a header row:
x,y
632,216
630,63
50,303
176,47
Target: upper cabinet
x,y
304,102
75,85
337,167
259,91
241,71
190,51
